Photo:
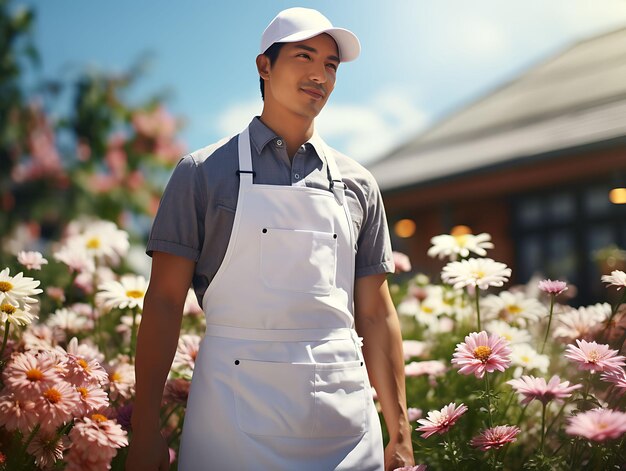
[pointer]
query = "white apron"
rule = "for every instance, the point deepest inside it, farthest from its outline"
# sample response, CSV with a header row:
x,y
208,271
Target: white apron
x,y
279,381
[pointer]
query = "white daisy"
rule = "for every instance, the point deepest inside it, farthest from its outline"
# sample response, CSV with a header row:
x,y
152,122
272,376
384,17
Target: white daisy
x,y
514,308
75,256
102,240
527,359
17,290
67,320
31,260
512,334
15,315
186,352
616,278
479,272
581,323
129,292
450,246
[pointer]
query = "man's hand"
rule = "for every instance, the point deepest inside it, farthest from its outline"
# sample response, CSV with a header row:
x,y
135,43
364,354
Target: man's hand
x,y
148,451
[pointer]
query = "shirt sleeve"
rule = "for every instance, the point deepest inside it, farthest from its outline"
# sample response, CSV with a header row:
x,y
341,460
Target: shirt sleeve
x,y
374,254
178,224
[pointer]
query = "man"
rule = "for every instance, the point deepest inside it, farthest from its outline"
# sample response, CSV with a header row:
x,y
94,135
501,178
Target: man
x,y
286,243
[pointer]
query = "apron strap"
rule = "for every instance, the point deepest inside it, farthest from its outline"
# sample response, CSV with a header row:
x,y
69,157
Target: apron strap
x,y
245,171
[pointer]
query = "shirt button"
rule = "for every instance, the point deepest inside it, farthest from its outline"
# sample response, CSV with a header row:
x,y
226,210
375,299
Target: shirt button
x,y
279,142
296,176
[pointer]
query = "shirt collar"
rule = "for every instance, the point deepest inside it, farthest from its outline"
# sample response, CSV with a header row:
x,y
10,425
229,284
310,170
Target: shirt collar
x,y
261,135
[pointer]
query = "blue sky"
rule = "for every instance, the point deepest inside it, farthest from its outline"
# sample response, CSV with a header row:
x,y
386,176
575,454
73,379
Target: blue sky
x,y
420,59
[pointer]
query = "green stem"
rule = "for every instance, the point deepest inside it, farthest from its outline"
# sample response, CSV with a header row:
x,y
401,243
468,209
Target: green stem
x,y
556,417
512,395
543,427
549,322
478,307
7,324
24,454
451,448
487,390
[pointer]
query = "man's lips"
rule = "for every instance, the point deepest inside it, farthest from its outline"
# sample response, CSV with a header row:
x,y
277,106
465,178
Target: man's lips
x,y
314,93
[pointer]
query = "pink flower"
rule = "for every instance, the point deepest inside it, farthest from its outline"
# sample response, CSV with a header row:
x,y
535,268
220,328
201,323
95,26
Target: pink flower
x,y
92,398
552,287
617,377
594,357
95,439
430,368
176,390
30,375
121,381
413,348
414,414
495,437
536,388
480,354
17,414
441,421
47,448
84,372
401,262
186,352
598,424
57,405
31,260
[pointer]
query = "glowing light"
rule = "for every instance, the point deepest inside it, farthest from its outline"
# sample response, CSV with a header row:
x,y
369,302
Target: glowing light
x,y
460,231
405,228
617,196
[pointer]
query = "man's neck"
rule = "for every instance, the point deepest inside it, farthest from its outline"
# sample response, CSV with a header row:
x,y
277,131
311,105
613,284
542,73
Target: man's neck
x,y
295,130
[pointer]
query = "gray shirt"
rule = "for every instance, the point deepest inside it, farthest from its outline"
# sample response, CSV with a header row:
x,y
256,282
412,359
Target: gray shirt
x,y
197,209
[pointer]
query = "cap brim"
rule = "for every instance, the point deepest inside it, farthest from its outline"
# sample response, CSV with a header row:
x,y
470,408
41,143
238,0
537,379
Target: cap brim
x,y
347,42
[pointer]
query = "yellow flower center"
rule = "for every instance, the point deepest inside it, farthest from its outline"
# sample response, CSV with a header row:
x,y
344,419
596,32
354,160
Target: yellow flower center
x,y
478,274
461,240
84,365
52,395
594,356
5,286
134,293
428,310
83,392
482,353
8,308
98,418
525,359
34,374
507,336
93,243
514,309
115,377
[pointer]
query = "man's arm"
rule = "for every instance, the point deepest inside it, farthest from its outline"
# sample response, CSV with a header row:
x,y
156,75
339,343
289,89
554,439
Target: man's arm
x,y
377,322
156,346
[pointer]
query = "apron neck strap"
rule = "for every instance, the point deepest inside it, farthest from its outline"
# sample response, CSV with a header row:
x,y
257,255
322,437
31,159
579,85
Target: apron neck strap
x,y
245,171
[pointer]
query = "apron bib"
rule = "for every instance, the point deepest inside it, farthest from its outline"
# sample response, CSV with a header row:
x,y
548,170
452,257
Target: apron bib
x,y
279,381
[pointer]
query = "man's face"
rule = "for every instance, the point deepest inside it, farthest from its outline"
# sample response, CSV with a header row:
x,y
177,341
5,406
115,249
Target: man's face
x,y
303,76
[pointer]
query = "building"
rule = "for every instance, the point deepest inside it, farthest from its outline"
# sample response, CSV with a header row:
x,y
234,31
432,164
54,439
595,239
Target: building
x,y
533,163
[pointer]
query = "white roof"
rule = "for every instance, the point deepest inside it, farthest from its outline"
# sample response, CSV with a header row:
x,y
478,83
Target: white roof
x,y
576,98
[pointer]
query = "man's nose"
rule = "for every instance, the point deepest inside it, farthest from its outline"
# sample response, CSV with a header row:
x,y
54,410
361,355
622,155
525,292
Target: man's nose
x,y
318,73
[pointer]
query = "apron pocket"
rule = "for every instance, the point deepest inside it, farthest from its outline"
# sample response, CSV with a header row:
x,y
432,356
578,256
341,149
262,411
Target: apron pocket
x,y
274,399
296,260
340,399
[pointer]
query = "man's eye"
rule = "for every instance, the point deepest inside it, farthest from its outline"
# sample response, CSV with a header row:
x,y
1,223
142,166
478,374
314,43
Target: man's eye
x,y
333,66
304,55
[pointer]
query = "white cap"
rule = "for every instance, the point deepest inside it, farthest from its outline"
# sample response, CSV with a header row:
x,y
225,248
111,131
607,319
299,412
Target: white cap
x,y
298,24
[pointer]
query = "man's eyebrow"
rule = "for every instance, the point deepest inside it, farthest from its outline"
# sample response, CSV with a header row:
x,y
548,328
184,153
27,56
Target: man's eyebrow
x,y
312,49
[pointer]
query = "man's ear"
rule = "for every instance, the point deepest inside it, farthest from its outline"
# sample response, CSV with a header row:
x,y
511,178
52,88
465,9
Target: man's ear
x,y
263,66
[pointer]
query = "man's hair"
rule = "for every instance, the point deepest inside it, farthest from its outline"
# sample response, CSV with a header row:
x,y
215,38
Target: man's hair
x,y
272,54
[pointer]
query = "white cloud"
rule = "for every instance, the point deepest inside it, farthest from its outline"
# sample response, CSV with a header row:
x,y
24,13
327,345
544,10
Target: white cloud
x,y
362,131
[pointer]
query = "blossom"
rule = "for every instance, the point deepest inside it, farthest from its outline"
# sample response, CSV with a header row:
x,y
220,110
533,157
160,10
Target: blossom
x,y
31,260
76,257
481,353
440,421
129,292
616,278
594,357
514,308
57,405
47,448
176,390
121,380
430,368
413,348
17,414
582,322
555,287
15,315
617,377
597,424
186,352
451,246
82,372
531,388
102,240
67,320
17,290
527,358
413,413
495,437
95,439
30,375
401,262
479,272
92,398
512,334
